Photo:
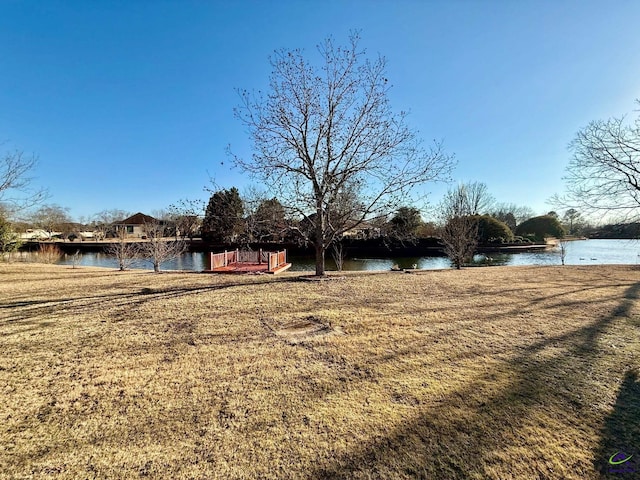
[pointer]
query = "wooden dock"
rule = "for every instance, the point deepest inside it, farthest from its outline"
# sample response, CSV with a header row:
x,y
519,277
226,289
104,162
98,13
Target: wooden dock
x,y
238,261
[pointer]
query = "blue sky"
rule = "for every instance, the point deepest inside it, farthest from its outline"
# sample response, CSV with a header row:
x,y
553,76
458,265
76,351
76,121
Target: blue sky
x,y
129,104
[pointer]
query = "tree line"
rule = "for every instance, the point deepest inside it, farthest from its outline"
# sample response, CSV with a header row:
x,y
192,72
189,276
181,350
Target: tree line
x,y
327,142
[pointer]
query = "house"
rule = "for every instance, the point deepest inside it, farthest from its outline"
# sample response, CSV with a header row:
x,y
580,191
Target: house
x,y
134,226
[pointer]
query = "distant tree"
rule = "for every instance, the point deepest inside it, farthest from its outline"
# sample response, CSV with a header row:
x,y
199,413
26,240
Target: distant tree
x,y
223,218
9,239
603,174
405,223
324,134
562,248
459,232
541,227
51,218
491,229
511,214
158,249
127,253
16,191
479,200
187,216
573,221
102,223
269,222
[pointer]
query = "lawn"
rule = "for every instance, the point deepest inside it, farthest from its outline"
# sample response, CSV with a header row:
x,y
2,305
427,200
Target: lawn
x,y
484,373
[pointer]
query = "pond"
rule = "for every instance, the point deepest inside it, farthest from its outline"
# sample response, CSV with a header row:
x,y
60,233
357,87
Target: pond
x,y
580,252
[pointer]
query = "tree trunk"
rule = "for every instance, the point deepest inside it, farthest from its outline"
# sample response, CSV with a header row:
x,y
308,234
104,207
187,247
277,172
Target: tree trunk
x,y
319,260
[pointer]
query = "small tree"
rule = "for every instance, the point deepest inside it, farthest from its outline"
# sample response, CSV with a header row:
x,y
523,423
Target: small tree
x,y
562,246
459,233
157,249
126,253
9,239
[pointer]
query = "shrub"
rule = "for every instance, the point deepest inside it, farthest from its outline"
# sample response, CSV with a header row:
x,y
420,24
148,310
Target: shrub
x,y
49,253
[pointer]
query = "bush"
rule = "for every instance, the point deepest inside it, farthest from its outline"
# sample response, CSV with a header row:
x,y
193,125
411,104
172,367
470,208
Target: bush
x,y
490,229
49,253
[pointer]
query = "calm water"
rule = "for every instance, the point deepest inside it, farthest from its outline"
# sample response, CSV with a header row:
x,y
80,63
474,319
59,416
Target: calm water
x,y
582,252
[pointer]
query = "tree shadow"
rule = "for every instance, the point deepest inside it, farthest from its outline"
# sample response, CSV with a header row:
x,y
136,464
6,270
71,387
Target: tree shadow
x,y
449,438
619,452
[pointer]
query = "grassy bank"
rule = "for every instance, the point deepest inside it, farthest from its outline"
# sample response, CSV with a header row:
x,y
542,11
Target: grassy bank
x,y
506,372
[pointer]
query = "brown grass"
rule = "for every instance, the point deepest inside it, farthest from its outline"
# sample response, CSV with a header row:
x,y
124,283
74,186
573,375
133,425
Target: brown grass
x,y
498,373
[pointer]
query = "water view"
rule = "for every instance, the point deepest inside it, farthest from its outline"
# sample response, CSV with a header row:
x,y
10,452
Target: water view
x,y
581,252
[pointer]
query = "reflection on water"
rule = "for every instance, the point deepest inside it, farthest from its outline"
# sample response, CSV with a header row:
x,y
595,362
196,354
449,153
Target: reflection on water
x,y
582,252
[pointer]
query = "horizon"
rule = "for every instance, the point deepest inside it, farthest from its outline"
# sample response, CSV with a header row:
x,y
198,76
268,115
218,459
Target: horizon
x,y
130,105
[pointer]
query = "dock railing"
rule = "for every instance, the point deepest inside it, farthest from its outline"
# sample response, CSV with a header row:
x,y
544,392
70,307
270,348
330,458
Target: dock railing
x,y
272,259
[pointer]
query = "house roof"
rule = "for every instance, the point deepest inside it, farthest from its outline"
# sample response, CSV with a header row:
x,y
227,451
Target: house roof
x,y
138,219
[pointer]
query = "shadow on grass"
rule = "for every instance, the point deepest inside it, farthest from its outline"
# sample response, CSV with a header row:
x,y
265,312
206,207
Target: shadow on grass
x,y
25,311
619,452
522,422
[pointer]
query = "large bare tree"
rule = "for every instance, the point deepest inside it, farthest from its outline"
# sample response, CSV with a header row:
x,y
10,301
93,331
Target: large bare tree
x,y
325,133
603,174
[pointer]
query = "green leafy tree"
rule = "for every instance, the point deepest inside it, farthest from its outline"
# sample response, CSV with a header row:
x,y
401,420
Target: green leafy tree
x,y
491,229
573,221
9,239
223,218
541,227
269,221
405,223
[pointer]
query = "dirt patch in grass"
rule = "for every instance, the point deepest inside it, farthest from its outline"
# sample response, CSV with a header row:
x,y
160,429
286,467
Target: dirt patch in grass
x,y
499,373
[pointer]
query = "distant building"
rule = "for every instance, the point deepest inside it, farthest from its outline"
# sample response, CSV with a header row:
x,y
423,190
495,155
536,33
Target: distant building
x,y
134,225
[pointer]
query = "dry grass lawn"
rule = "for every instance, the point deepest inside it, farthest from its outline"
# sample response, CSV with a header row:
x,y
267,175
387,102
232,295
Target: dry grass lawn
x,y
485,373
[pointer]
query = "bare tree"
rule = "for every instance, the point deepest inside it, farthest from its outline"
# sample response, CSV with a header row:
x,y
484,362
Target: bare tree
x,y
51,218
511,214
459,233
102,222
562,246
16,191
323,134
158,249
187,215
479,199
126,253
603,174
339,254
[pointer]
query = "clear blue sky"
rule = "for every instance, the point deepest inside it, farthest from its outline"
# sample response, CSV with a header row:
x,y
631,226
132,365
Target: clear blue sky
x,y
128,104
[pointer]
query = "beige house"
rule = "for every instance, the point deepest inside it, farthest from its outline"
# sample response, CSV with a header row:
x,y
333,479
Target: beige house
x,y
134,226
